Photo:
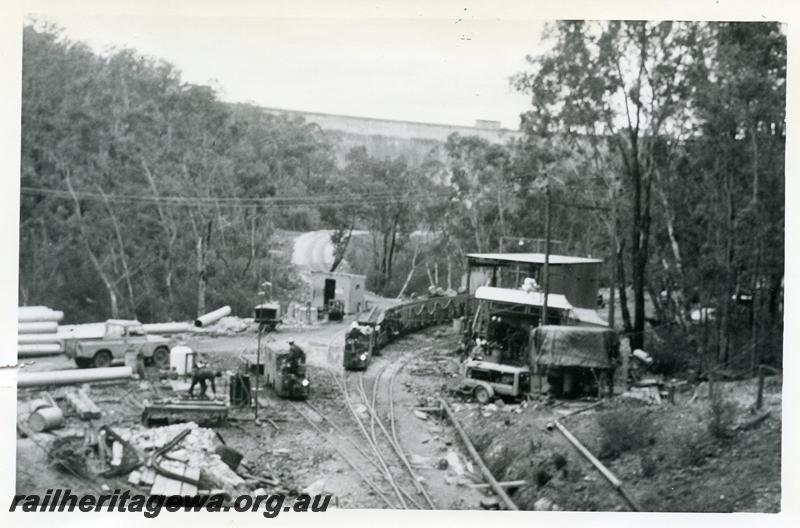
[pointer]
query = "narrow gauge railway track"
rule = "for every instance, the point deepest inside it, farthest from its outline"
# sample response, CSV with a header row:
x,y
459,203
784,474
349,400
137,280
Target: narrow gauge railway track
x,y
377,446
378,440
391,438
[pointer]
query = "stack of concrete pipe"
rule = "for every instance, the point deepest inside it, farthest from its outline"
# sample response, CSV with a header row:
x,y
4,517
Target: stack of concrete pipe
x,y
37,333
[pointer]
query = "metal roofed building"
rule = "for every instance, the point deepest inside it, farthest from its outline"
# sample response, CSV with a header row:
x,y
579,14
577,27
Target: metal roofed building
x,y
576,278
349,288
563,311
507,295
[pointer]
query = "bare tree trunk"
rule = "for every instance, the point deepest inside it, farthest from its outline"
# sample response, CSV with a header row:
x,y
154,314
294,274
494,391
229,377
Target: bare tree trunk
x,y
252,256
410,272
729,273
758,243
657,305
123,258
755,304
669,215
375,253
392,246
172,235
112,294
202,245
221,224
201,278
500,212
476,227
449,273
637,270
621,284
340,247
384,255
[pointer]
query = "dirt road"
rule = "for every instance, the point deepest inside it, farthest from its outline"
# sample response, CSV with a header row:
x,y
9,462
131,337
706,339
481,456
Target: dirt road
x,y
313,250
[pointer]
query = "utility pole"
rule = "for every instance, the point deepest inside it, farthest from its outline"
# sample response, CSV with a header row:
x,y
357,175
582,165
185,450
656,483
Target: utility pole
x,y
258,374
613,275
546,277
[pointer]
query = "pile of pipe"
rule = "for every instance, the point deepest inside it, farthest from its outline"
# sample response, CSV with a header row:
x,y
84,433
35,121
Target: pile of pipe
x,y
37,331
212,317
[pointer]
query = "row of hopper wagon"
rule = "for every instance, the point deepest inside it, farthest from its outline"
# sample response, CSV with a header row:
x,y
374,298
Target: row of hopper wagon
x,y
371,333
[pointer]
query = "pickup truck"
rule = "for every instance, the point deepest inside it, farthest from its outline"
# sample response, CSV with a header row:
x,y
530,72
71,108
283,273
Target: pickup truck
x,y
117,338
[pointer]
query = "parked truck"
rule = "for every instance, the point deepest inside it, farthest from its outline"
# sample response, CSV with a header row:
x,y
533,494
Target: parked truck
x,y
114,339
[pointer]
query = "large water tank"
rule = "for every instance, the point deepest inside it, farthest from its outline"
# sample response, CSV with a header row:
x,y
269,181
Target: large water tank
x,y
181,359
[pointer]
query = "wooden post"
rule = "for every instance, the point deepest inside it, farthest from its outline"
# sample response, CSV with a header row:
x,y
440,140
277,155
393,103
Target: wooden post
x,y
546,279
258,375
612,293
469,277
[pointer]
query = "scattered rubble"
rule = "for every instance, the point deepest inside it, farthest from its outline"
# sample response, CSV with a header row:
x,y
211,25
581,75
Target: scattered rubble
x,y
650,395
227,326
206,412
197,452
545,504
83,405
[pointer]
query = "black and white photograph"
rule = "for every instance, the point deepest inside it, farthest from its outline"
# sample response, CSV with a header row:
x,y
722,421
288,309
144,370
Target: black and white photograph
x,y
273,263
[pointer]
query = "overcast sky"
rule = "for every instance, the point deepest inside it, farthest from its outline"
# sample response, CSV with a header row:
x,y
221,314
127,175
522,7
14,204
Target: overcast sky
x,y
444,71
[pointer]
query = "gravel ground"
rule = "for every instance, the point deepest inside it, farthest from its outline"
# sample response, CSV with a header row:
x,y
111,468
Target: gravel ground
x,y
679,467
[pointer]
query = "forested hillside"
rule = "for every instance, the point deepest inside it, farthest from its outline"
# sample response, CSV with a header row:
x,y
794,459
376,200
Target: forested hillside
x,y
679,128
660,143
146,197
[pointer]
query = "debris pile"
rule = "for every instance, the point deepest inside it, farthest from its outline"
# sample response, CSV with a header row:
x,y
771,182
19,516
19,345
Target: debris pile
x,y
229,325
196,453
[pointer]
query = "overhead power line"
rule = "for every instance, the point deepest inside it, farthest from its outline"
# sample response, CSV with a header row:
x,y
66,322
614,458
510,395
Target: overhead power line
x,y
272,202
341,199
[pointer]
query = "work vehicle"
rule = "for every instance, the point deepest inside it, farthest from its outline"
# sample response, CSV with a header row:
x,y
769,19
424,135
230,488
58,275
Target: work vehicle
x,y
358,346
116,338
267,315
286,380
575,360
335,310
486,380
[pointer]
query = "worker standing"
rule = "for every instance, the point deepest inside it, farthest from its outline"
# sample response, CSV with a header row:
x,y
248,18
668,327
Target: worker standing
x,y
296,355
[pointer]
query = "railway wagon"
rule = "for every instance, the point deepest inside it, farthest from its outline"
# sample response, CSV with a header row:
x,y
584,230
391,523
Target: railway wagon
x,y
413,316
403,319
288,381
